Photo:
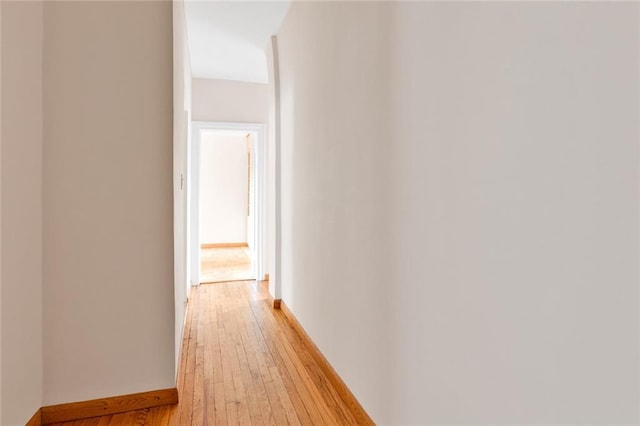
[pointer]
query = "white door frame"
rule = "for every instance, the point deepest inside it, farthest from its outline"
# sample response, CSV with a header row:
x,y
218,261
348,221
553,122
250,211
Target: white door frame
x,y
259,169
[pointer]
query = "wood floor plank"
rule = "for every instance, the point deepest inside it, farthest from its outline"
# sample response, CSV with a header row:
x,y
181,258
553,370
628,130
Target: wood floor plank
x,y
88,422
220,406
242,402
209,402
283,411
280,372
227,373
241,363
105,421
132,418
116,419
329,395
245,369
197,417
159,416
232,413
302,384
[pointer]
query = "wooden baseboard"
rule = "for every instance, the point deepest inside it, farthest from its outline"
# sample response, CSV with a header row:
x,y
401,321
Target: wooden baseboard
x,y
266,277
36,419
354,406
107,406
223,245
274,303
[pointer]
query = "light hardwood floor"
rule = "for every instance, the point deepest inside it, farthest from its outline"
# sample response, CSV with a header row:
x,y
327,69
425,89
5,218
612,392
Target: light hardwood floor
x,y
242,363
220,264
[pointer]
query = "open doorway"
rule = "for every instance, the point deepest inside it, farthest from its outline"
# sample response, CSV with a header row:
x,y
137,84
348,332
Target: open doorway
x,y
226,205
226,233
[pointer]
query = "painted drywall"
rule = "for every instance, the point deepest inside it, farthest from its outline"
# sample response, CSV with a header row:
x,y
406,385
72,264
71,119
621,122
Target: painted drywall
x,y
230,101
272,163
0,212
181,181
21,211
527,178
467,173
334,162
223,187
108,222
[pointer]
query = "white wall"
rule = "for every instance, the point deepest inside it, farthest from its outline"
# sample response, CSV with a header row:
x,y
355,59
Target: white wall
x,y
21,211
181,181
468,175
229,101
223,187
108,240
272,152
1,212
525,201
334,166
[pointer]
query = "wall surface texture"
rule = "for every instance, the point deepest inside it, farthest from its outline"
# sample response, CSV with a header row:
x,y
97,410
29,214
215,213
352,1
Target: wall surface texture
x,y
108,239
0,212
335,146
86,265
181,183
223,187
21,211
272,201
467,173
230,101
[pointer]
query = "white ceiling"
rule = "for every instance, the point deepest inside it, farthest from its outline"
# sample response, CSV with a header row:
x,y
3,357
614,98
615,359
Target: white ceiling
x,y
227,39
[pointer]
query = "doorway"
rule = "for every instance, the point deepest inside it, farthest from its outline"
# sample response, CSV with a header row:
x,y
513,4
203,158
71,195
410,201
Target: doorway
x,y
226,206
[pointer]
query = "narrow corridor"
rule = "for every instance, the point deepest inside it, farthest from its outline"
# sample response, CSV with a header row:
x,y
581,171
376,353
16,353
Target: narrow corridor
x,y
242,363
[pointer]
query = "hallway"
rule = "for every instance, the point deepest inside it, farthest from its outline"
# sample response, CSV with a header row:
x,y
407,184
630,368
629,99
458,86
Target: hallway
x,y
242,363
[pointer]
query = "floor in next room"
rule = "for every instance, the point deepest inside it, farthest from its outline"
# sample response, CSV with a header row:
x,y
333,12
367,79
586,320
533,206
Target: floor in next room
x,y
242,363
225,264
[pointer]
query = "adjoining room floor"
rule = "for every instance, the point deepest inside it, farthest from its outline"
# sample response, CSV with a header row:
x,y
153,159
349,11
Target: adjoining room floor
x,y
225,264
242,363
